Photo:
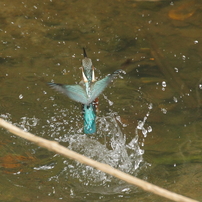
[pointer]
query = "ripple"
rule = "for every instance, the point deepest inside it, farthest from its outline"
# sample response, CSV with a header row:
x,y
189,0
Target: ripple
x,y
30,76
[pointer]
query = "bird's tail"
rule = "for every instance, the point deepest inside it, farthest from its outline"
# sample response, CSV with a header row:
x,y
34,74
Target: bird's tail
x,y
89,116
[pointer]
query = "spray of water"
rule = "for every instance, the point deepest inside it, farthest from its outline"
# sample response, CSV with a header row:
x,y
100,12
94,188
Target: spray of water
x,y
108,146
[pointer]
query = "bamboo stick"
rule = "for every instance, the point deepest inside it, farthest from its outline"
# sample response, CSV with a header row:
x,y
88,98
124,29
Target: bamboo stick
x,y
55,147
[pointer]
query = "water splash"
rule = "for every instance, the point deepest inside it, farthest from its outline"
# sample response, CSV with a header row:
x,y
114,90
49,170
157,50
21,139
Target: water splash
x,y
142,123
108,147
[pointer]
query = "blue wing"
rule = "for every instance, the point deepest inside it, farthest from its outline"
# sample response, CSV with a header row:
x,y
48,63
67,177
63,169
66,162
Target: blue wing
x,y
74,92
98,87
78,93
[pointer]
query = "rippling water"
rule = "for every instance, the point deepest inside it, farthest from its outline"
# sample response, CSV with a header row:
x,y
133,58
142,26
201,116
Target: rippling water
x,y
149,123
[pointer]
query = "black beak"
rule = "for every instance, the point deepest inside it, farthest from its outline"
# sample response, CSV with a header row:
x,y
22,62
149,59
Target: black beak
x,y
84,53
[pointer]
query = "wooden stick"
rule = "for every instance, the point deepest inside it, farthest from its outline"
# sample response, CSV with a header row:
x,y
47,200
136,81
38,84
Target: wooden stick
x,y
55,147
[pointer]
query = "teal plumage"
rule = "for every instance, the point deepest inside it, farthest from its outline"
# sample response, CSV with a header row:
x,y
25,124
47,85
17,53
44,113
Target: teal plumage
x,y
86,92
89,117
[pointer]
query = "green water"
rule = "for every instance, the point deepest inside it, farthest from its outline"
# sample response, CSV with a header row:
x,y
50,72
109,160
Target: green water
x,y
158,44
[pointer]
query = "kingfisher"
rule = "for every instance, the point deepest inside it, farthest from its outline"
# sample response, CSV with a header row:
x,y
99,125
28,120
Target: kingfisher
x,y
87,92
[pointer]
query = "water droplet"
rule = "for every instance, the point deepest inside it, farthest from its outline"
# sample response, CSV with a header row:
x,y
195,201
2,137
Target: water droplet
x,y
176,69
149,129
164,110
175,99
163,83
150,106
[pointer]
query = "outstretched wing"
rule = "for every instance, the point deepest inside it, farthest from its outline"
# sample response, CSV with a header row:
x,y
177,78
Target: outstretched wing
x,y
74,92
98,87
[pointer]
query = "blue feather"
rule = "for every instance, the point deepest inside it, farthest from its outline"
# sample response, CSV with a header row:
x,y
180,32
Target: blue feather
x,y
87,92
89,117
79,94
74,92
86,96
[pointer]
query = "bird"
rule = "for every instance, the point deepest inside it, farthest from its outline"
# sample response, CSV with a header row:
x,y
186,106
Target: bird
x,y
86,92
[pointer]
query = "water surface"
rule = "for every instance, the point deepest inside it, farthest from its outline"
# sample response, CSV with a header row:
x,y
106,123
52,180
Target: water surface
x,y
149,123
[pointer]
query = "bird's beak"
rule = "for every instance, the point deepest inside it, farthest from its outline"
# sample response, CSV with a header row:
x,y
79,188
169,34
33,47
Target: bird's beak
x,y
84,53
